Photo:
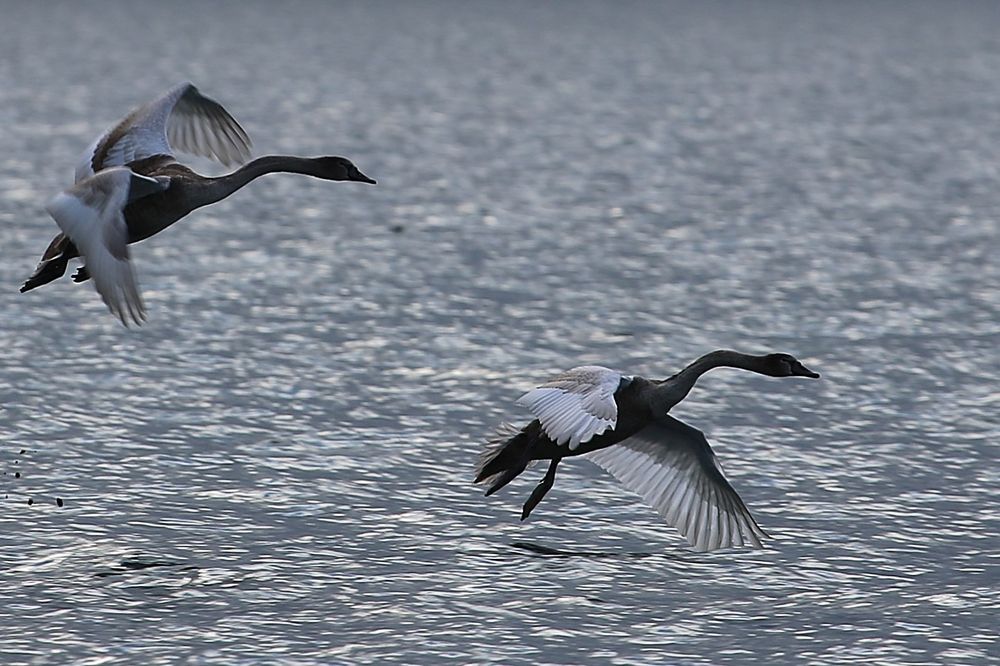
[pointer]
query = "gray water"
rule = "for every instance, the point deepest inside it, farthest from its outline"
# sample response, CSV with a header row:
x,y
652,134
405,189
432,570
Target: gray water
x,y
276,468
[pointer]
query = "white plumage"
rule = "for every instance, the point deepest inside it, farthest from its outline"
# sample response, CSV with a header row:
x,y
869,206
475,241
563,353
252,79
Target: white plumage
x,y
576,405
672,467
91,214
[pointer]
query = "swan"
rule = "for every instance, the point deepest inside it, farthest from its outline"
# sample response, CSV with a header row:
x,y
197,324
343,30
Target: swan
x,y
148,189
620,422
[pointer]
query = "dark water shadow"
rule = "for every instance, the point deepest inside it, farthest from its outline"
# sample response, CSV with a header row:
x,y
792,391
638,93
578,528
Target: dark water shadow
x,y
546,551
134,564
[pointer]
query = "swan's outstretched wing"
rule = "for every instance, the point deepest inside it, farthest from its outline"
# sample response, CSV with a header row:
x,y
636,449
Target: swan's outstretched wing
x,y
576,405
91,214
672,467
201,126
181,119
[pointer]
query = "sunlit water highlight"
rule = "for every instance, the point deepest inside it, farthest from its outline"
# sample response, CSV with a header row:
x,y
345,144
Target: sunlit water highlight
x,y
276,468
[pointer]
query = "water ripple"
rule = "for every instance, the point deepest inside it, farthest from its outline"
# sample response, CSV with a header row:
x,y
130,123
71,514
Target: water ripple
x,y
276,469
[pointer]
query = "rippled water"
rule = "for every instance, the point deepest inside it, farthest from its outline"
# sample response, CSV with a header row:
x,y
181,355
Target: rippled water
x,y
276,468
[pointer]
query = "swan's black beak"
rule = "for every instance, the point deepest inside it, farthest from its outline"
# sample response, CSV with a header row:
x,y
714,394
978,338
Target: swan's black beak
x,y
362,178
803,371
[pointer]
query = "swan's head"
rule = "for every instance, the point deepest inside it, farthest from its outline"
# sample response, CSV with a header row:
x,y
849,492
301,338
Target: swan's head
x,y
341,168
786,365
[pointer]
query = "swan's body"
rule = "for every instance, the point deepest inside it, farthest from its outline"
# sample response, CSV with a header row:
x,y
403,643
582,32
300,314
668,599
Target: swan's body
x,y
143,143
621,423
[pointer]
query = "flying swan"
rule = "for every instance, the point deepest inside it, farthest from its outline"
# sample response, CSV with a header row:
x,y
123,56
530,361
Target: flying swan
x,y
621,423
129,186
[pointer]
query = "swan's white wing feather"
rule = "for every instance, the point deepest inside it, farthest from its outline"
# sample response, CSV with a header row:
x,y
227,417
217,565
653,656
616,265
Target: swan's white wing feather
x,y
673,468
576,405
181,119
91,214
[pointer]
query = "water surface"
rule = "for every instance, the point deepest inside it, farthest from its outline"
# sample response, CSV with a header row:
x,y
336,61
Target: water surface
x,y
275,469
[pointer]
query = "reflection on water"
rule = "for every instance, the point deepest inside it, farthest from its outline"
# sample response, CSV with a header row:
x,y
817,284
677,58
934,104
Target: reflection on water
x,y
277,467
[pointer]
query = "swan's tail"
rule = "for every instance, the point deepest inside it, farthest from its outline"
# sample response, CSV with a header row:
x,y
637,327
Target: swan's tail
x,y
52,264
506,455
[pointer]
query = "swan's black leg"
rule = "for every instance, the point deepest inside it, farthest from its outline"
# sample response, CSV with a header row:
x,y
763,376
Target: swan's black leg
x,y
81,275
543,487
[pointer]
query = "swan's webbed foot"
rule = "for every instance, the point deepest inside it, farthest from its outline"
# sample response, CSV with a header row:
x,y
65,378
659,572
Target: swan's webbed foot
x,y
543,487
81,275
47,271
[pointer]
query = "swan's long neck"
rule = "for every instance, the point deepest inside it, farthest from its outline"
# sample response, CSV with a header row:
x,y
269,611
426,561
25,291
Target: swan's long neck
x,y
212,190
671,391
